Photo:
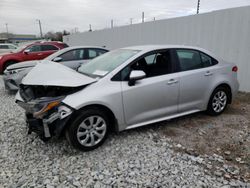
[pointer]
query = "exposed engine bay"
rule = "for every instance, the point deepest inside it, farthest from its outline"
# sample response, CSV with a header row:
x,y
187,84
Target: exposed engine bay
x,y
32,92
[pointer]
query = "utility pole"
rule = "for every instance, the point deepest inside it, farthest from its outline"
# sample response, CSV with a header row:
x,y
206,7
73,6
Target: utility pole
x,y
131,21
7,30
142,17
40,27
198,6
90,29
112,23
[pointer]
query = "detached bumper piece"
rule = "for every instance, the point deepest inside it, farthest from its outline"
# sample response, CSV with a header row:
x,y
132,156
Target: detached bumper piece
x,y
47,127
9,83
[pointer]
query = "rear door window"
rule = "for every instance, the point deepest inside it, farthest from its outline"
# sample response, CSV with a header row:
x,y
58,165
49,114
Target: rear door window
x,y
189,59
49,48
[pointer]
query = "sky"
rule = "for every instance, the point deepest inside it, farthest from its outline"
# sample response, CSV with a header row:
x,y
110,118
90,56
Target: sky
x,y
71,15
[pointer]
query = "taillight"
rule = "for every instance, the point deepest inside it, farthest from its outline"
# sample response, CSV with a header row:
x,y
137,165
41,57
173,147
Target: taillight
x,y
235,69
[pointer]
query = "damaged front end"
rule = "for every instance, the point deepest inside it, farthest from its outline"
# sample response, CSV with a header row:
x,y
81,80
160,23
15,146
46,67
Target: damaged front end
x,y
46,114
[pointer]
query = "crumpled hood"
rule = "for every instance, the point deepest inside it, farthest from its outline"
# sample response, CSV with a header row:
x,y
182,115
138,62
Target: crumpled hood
x,y
49,73
24,64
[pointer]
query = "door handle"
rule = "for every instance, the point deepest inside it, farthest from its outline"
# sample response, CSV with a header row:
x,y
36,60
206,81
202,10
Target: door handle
x,y
208,73
172,81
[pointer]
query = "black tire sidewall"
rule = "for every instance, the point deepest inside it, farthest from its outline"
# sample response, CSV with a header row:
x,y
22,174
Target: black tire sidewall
x,y
210,109
71,131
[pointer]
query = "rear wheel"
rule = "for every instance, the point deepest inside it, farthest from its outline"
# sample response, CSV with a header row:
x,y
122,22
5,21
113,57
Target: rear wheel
x,y
89,130
218,101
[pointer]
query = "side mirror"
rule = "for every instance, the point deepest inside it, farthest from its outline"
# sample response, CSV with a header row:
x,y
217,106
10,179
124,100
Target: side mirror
x,y
57,59
26,51
136,75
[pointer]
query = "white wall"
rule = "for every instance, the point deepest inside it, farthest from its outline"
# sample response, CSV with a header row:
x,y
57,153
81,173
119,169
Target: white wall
x,y
226,33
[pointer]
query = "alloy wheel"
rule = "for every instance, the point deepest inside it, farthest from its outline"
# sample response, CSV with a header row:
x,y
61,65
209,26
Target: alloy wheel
x,y
91,131
219,101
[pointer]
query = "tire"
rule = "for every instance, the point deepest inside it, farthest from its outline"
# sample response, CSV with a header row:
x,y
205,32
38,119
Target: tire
x,y
81,133
218,101
8,63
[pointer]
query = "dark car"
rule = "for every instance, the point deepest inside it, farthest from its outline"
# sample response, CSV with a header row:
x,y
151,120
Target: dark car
x,y
34,51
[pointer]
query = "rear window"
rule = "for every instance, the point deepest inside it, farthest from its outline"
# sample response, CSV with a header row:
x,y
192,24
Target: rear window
x,y
48,47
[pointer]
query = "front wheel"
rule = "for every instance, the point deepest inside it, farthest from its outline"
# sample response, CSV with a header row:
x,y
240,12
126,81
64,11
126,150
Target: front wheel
x,y
218,101
89,130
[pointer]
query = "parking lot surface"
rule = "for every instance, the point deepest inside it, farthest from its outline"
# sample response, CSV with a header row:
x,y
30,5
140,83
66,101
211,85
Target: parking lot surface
x,y
193,151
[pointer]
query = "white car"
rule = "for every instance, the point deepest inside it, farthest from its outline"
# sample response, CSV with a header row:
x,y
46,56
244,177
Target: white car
x,y
71,57
7,47
124,89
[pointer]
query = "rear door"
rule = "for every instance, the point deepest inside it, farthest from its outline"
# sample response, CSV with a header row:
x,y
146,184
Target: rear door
x,y
155,96
47,50
195,74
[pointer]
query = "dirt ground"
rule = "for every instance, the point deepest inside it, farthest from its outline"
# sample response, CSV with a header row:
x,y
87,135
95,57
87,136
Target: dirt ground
x,y
227,135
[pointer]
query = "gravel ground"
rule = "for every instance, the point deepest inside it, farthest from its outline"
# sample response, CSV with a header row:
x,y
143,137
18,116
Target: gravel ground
x,y
143,157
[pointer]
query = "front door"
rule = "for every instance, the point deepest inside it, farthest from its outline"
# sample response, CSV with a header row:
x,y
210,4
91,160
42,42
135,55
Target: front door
x,y
155,96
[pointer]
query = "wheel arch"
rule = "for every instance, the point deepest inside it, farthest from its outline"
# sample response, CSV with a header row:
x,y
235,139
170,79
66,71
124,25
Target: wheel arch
x,y
101,107
226,86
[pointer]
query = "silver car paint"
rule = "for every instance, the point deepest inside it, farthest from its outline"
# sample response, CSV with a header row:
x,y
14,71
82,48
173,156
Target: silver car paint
x,y
157,98
54,74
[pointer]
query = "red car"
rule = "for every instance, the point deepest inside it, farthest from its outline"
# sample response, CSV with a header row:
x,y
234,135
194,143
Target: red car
x,y
34,51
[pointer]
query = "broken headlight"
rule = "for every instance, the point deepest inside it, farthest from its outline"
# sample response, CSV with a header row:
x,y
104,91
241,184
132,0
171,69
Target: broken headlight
x,y
40,107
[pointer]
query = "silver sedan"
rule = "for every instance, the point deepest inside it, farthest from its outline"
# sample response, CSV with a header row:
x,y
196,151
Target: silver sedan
x,y
124,89
71,57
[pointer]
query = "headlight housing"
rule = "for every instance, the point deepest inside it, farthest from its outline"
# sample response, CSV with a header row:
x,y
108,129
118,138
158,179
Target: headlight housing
x,y
41,106
46,108
13,71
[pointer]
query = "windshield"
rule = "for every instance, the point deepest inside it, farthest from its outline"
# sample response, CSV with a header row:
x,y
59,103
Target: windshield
x,y
106,63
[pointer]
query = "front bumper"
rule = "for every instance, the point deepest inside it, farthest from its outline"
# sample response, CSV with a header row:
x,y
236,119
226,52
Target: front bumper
x,y
48,126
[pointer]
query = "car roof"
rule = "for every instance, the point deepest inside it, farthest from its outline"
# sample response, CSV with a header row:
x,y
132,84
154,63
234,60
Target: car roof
x,y
75,47
48,42
146,48
7,44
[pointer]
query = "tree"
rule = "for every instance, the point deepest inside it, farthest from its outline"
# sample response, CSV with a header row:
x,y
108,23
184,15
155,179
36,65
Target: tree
x,y
56,36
